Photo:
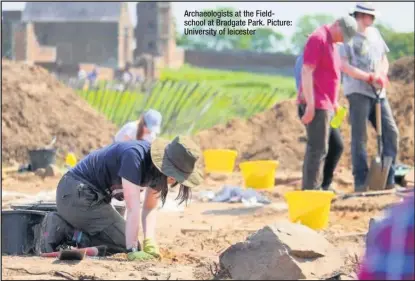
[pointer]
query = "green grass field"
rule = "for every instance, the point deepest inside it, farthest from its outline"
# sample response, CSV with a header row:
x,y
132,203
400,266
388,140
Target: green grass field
x,y
192,99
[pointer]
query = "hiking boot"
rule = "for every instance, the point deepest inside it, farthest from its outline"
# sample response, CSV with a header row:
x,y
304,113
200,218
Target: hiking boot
x,y
335,191
360,188
54,232
332,189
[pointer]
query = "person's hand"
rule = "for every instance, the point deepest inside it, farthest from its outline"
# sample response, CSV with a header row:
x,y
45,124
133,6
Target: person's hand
x,y
381,81
140,256
378,80
308,114
336,107
150,247
371,78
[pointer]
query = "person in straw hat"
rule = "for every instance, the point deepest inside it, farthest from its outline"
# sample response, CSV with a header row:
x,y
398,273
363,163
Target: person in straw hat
x,y
365,64
84,214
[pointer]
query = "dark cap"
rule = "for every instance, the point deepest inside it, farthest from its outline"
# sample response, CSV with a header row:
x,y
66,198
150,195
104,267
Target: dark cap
x,y
348,26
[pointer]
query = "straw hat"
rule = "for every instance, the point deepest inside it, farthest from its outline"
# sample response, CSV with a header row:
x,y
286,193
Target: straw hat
x,y
177,159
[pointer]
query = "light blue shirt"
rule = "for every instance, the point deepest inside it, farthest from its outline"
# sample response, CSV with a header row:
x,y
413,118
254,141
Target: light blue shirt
x,y
297,71
364,52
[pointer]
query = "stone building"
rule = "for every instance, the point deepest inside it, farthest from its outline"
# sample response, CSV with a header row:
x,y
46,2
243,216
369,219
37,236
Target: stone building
x,y
155,37
9,21
76,32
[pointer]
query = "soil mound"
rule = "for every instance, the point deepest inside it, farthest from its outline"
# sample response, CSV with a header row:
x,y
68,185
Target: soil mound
x,y
403,69
278,134
36,107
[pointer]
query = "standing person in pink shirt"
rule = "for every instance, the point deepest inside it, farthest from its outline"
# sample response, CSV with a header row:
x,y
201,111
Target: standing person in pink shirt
x,y
318,96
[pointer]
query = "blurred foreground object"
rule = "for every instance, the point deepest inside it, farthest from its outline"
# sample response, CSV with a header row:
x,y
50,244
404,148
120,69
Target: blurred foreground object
x,y
390,246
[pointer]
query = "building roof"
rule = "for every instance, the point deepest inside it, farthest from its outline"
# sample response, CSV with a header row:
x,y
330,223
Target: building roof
x,y
72,12
11,15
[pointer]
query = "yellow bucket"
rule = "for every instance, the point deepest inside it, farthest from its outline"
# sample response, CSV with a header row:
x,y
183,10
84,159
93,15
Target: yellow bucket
x,y
219,160
259,174
309,207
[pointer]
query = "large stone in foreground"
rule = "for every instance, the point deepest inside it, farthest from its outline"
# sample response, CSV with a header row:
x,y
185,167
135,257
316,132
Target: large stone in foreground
x,y
282,251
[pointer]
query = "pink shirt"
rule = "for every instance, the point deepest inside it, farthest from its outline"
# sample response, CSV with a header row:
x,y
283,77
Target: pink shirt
x,y
320,52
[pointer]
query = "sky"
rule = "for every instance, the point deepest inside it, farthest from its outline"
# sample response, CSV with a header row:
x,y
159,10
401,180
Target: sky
x,y
398,15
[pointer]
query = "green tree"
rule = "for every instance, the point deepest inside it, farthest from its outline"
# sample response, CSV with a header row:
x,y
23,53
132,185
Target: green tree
x,y
266,40
219,41
399,43
306,25
242,42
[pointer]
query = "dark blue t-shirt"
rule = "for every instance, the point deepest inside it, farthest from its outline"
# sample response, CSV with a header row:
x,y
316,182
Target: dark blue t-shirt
x,y
105,167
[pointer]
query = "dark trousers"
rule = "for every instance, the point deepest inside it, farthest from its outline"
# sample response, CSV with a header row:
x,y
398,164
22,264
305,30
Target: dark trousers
x,y
88,210
323,151
362,109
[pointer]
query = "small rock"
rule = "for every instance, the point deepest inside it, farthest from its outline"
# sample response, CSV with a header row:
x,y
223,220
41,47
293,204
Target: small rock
x,y
282,251
40,172
52,171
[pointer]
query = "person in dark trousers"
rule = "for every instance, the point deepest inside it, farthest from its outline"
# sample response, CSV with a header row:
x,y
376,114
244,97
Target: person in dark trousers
x,y
85,216
365,63
317,101
335,140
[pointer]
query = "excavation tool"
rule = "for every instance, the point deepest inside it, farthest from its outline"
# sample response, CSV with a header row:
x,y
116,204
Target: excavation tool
x,y
364,194
51,144
379,168
72,255
77,254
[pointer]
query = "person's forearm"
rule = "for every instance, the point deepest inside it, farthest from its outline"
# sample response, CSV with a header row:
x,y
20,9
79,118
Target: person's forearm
x,y
133,205
355,72
132,227
149,218
307,83
336,94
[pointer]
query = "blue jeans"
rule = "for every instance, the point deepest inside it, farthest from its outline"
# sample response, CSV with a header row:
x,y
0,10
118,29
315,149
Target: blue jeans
x,y
362,108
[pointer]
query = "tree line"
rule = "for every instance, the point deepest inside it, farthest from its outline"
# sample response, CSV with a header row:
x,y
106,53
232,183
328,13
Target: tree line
x,y
268,40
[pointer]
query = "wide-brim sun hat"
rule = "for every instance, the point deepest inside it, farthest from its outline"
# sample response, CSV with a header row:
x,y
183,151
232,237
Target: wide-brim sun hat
x,y
365,8
177,159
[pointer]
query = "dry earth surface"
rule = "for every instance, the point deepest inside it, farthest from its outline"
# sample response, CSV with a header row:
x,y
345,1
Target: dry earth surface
x,y
192,240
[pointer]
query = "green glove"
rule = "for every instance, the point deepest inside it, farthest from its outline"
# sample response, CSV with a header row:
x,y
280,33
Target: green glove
x,y
139,256
150,247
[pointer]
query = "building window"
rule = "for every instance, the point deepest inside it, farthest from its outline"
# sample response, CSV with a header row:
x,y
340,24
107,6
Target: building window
x,y
151,45
151,25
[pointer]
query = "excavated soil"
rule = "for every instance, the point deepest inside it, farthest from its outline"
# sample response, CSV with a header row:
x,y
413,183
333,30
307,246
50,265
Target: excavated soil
x,y
192,240
36,107
278,134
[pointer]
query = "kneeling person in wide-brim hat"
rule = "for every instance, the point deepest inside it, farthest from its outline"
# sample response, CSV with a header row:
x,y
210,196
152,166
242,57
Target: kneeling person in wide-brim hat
x,y
121,170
